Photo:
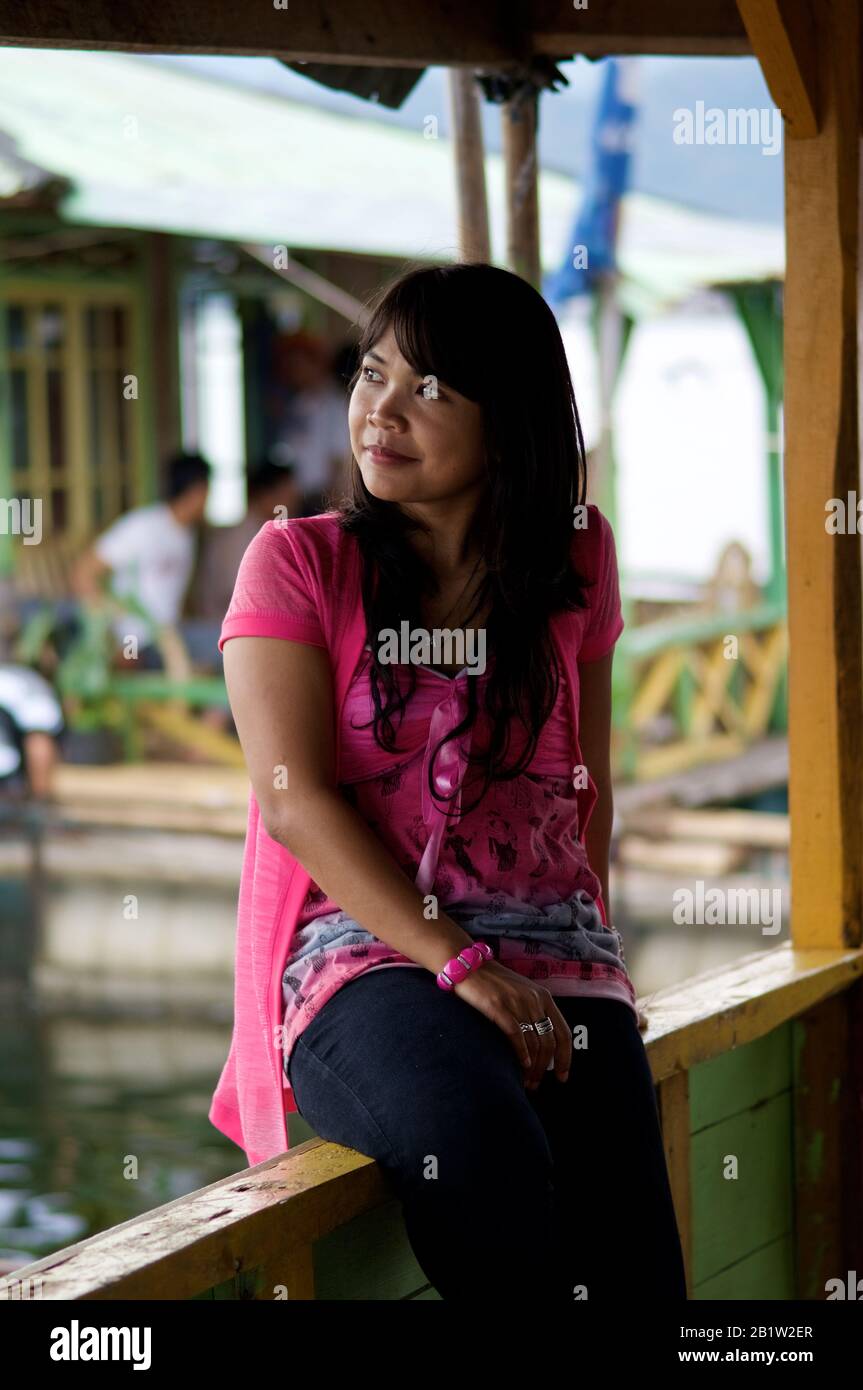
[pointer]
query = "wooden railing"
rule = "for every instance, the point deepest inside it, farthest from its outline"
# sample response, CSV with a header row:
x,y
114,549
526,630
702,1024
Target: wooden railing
x,y
685,695
755,1060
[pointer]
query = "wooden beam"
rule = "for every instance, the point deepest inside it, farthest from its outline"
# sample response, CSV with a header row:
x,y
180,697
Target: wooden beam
x,y
822,461
734,1004
782,34
164,344
673,1102
380,33
822,1094
328,31
708,28
473,233
263,1218
518,126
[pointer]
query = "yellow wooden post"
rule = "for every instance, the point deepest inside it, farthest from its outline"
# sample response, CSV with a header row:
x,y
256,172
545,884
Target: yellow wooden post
x,y
822,461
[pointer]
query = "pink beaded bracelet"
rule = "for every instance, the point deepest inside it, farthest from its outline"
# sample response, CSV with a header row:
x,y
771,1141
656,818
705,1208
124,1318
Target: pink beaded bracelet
x,y
458,969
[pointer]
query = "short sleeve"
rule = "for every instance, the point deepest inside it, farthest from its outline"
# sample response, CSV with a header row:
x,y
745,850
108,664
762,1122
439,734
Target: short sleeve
x,y
115,544
273,595
605,618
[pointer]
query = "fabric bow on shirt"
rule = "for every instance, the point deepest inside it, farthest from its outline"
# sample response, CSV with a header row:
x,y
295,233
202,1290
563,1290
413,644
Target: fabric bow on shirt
x,y
449,770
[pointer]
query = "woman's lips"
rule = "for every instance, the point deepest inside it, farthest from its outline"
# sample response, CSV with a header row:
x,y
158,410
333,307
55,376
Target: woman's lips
x,y
380,455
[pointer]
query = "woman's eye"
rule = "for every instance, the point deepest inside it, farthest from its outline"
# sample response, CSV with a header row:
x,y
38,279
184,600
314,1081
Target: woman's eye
x,y
367,370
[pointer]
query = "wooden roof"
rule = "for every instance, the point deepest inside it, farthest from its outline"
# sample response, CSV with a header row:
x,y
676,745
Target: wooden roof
x,y
493,33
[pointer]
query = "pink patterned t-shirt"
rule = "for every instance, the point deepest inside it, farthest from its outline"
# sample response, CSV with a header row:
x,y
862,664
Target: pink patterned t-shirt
x,y
512,871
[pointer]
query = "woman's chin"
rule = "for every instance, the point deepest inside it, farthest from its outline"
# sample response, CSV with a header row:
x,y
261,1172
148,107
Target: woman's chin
x,y
387,488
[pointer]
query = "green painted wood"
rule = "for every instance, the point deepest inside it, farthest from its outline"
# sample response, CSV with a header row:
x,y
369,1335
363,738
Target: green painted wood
x,y
765,1275
369,1258
298,1130
732,1218
739,1079
654,637
155,685
7,560
428,1293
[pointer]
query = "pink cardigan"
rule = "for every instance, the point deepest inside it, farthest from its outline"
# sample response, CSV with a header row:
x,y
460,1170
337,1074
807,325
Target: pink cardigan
x,y
249,1104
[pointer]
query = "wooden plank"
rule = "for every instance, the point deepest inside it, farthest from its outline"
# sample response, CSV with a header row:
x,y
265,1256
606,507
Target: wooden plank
x,y
260,1218
851,1175
317,31
822,461
823,1096
767,1273
381,33
629,26
762,767
724,1008
155,795
740,1079
705,858
674,1114
290,1277
782,34
764,829
253,1218
733,1216
161,282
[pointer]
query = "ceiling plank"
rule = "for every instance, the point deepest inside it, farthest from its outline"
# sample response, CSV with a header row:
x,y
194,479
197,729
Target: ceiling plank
x,y
493,33
782,33
674,27
375,32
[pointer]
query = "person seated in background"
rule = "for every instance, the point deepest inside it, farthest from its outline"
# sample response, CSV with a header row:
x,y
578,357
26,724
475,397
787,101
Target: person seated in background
x,y
269,486
312,433
31,722
31,717
149,554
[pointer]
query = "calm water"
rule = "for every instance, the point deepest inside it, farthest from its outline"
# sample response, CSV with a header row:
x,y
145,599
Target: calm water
x,y
103,1110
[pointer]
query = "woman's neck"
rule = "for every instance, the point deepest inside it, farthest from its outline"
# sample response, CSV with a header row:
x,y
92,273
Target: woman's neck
x,y
449,544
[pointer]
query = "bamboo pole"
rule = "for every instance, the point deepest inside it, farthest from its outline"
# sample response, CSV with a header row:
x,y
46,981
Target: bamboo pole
x,y
473,234
519,126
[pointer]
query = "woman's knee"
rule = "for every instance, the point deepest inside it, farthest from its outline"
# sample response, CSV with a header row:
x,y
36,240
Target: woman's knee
x,y
474,1127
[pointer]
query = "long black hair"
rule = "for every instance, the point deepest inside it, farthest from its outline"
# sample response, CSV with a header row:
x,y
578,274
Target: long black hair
x,y
490,336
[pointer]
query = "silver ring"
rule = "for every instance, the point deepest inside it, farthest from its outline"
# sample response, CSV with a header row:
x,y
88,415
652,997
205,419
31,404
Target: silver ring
x,y
542,1026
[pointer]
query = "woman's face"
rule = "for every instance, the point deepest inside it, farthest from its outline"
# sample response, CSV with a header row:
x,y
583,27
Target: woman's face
x,y
414,438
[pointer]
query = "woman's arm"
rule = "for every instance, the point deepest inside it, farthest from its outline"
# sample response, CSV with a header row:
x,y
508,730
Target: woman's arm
x,y
281,699
594,736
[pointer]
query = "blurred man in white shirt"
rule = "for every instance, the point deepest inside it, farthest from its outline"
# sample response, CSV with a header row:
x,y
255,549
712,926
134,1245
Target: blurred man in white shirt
x,y
149,554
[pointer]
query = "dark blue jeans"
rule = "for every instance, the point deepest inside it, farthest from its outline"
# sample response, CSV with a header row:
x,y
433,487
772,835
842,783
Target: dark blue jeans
x,y
548,1195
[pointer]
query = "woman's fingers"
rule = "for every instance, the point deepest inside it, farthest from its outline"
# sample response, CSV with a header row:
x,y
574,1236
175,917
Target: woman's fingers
x,y
554,1048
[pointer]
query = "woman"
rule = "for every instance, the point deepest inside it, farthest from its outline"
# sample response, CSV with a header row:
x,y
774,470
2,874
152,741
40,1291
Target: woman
x,y
432,804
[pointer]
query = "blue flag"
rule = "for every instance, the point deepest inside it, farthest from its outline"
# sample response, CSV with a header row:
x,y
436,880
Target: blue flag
x,y
591,246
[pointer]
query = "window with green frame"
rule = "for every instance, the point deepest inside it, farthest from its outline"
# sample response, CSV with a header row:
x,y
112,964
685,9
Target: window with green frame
x,y
73,434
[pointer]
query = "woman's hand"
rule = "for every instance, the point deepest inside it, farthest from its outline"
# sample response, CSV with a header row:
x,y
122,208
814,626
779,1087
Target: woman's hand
x,y
508,999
